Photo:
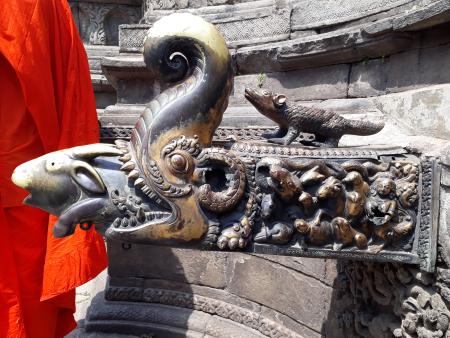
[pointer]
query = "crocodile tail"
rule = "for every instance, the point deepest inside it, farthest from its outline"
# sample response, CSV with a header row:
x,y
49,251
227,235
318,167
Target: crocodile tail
x,y
362,128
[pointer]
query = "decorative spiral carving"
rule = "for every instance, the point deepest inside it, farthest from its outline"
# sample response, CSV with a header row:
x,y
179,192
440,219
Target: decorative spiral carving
x,y
222,201
168,59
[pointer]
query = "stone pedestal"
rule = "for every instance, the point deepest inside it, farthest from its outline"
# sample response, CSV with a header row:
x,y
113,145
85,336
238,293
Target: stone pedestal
x,y
181,292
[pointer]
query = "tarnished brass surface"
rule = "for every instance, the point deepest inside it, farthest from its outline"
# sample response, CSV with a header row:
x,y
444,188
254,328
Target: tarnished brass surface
x,y
292,119
170,186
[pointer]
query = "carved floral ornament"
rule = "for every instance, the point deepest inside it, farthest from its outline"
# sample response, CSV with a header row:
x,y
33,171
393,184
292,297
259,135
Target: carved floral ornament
x,y
170,186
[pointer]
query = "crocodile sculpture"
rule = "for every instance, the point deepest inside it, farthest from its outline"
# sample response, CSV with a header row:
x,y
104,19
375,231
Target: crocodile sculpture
x,y
170,185
327,126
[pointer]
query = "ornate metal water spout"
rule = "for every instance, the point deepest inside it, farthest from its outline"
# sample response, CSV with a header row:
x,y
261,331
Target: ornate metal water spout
x,y
170,186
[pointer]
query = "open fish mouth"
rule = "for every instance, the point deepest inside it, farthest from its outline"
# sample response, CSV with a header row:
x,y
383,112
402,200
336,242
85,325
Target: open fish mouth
x,y
135,222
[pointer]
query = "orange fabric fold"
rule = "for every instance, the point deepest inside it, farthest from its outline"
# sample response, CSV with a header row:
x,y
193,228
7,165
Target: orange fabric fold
x,y
46,104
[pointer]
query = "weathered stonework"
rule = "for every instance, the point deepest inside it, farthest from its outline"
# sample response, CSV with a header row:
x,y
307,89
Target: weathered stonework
x,y
391,301
318,14
99,22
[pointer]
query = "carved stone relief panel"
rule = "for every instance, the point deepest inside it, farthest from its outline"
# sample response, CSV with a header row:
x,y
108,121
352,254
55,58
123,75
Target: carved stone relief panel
x,y
389,300
150,5
98,23
313,14
240,23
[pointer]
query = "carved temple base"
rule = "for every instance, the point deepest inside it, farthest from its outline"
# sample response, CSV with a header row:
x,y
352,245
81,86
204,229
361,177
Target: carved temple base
x,y
157,320
369,300
190,293
179,293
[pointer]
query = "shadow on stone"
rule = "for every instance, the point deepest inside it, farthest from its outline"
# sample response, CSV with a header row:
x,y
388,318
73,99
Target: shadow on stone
x,y
339,322
139,292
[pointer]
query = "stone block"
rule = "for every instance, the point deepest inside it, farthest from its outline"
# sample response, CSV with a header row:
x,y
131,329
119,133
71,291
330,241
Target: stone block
x,y
420,112
131,37
238,116
167,4
368,78
422,17
414,118
341,46
226,297
433,67
181,265
353,106
223,328
400,72
95,55
313,267
301,34
379,22
241,23
397,78
140,318
205,291
98,21
289,323
293,294
300,85
317,14
273,25
197,3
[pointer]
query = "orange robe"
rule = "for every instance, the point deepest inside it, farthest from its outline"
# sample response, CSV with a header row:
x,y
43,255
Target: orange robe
x,y
46,103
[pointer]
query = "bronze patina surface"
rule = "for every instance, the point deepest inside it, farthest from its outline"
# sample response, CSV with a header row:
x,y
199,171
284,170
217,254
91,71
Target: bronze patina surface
x,y
170,186
326,125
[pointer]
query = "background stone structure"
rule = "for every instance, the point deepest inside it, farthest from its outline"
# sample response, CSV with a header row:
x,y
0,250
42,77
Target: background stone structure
x,y
377,59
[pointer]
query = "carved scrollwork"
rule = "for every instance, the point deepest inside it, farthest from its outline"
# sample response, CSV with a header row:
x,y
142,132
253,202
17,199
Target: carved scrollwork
x,y
234,172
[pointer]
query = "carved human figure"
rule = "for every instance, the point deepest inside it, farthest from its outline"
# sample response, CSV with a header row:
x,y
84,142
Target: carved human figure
x,y
356,194
381,206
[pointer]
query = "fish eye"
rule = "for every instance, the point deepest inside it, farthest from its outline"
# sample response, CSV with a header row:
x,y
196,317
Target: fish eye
x,y
265,93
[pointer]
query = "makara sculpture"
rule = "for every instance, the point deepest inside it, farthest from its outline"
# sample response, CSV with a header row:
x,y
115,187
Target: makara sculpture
x,y
170,186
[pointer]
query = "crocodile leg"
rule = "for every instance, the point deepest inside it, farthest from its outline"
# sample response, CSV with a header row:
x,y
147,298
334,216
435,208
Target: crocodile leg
x,y
280,132
325,142
291,135
332,142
